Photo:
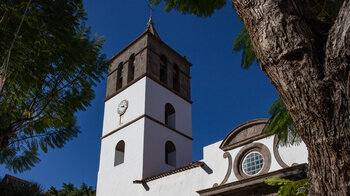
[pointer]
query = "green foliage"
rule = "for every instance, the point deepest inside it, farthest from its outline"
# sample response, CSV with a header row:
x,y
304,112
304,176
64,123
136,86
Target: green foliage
x,y
242,43
325,10
16,189
282,124
53,68
202,8
70,190
289,187
35,189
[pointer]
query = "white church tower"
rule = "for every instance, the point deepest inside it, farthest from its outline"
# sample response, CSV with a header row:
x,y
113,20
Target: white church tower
x,y
147,126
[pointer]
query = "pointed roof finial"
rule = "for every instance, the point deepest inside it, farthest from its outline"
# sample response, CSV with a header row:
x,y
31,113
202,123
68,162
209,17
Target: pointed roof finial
x,y
150,24
150,9
150,21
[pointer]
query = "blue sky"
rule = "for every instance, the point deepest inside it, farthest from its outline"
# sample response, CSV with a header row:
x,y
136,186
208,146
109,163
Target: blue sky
x,y
223,94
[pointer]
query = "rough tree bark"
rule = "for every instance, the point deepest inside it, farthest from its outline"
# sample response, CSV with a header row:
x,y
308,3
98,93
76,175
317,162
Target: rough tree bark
x,y
310,70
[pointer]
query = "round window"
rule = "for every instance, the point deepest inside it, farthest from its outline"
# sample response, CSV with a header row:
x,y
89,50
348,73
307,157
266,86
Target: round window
x,y
253,163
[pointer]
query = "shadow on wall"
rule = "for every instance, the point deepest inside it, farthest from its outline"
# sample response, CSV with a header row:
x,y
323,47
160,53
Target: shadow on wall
x,y
206,168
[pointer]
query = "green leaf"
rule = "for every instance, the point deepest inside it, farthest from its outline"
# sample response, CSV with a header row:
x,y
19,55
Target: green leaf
x,y
202,8
276,181
53,68
289,187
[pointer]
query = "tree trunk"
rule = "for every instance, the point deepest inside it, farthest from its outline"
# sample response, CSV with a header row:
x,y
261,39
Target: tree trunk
x,y
310,70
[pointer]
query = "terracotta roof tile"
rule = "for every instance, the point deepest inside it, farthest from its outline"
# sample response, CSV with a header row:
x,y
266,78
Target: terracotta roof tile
x,y
170,172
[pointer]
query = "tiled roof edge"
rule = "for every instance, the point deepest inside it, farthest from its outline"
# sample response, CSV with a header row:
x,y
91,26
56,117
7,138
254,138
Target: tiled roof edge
x,y
170,172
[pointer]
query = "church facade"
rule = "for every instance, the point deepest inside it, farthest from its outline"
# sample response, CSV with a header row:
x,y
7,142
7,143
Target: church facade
x,y
146,143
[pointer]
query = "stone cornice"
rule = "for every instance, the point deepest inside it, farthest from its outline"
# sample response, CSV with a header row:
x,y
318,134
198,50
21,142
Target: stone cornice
x,y
152,78
255,182
150,118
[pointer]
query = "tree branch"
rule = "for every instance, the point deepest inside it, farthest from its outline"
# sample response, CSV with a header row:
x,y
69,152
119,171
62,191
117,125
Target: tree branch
x,y
31,137
338,44
21,123
3,17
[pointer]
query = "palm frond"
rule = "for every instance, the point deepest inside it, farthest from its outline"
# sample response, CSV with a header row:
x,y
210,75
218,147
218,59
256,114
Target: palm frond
x,y
282,124
242,43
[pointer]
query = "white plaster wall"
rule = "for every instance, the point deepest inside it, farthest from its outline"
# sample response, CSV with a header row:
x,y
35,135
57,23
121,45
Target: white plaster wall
x,y
189,181
268,142
185,183
135,94
118,180
213,158
293,154
156,136
113,180
156,98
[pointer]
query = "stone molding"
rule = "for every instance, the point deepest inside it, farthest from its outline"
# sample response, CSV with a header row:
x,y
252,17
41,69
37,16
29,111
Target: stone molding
x,y
277,154
229,169
150,118
170,128
259,147
152,78
256,182
244,134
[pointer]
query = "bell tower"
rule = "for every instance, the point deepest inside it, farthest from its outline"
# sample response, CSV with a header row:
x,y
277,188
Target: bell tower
x,y
147,126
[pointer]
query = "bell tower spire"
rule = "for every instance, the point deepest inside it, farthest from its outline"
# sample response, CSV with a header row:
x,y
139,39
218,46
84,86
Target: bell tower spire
x,y
150,27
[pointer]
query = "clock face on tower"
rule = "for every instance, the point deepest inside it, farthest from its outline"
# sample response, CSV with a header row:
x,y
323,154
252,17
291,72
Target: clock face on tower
x,y
123,105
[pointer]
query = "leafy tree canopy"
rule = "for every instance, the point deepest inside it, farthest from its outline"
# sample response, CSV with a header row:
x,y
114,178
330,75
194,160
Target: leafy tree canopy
x,y
70,190
53,67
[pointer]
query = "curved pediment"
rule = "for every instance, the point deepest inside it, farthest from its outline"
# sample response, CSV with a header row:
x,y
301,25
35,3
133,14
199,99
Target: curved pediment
x,y
244,134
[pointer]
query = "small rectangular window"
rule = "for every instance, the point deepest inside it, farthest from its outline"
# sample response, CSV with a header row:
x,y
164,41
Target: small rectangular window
x,y
163,74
